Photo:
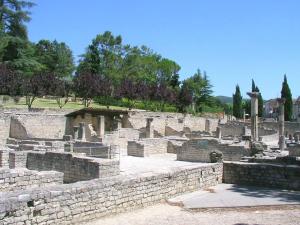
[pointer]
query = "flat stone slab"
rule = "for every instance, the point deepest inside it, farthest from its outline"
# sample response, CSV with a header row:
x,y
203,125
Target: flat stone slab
x,y
230,196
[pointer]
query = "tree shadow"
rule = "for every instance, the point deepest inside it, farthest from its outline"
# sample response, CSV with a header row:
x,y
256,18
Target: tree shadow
x,y
262,192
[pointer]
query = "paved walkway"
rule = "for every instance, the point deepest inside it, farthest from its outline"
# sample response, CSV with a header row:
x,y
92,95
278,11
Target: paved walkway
x,y
228,195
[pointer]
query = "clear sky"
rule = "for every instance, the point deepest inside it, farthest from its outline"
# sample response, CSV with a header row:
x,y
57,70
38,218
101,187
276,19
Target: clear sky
x,y
232,40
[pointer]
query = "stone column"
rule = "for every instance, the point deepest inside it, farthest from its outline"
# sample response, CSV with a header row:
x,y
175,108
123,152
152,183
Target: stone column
x,y
75,132
244,115
119,123
149,128
281,142
208,126
219,133
101,126
254,115
81,133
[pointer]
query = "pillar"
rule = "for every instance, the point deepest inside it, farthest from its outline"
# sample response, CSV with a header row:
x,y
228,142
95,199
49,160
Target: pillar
x,y
208,126
119,123
75,132
81,132
254,115
281,142
244,115
149,128
101,126
219,133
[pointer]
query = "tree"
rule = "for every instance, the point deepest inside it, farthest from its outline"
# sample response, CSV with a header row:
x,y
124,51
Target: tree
x,y
38,85
200,87
13,16
164,95
87,86
237,103
288,106
247,106
131,90
104,56
10,82
260,99
62,89
184,99
55,58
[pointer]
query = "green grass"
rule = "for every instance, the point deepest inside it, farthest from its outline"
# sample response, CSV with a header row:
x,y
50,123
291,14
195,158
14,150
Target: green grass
x,y
51,104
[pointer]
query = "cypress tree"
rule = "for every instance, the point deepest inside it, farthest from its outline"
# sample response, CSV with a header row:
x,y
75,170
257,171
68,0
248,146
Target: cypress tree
x,y
288,106
253,86
237,103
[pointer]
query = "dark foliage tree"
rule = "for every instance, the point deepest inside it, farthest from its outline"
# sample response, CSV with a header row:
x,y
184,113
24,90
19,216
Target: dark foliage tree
x,y
184,99
10,82
62,91
247,106
87,86
38,85
287,94
131,91
253,87
164,94
260,99
105,90
237,103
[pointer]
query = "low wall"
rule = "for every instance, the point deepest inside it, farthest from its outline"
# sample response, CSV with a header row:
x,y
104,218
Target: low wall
x,y
262,174
17,159
22,179
75,168
294,151
147,147
289,127
85,201
198,150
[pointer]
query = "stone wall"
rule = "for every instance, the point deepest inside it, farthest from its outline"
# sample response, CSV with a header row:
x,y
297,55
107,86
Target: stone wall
x,y
17,159
84,201
289,127
4,158
4,124
262,174
294,150
147,147
198,150
75,168
29,125
22,179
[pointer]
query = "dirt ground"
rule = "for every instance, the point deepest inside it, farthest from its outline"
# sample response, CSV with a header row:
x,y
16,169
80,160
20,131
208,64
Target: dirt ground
x,y
164,214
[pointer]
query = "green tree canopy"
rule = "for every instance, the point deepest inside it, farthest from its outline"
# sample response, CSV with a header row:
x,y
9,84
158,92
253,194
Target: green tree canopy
x,y
287,94
237,107
55,57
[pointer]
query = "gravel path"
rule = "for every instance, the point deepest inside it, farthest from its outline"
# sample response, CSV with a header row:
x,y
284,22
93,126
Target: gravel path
x,y
164,214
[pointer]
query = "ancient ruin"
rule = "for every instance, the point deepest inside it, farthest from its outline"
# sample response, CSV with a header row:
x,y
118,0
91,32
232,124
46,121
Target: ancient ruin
x,y
70,167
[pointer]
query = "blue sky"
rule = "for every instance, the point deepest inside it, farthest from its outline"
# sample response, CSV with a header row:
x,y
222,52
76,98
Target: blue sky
x,y
233,40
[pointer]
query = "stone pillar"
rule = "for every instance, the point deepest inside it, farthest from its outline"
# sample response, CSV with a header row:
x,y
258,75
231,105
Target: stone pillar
x,y
254,115
219,133
207,126
244,115
101,126
149,128
75,132
119,123
4,159
81,133
296,137
281,142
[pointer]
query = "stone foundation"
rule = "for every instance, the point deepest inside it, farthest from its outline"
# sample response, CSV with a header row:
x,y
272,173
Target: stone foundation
x,y
22,179
147,147
75,168
262,174
85,201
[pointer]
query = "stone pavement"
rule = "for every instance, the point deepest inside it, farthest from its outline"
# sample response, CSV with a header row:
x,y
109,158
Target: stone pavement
x,y
230,196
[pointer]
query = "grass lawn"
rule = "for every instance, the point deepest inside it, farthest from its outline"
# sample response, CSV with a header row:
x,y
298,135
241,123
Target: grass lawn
x,y
51,103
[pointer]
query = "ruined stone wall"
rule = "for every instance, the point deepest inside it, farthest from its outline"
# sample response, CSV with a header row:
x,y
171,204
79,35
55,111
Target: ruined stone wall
x,y
261,174
289,127
75,168
198,150
27,125
4,159
17,159
22,179
84,201
4,127
294,151
147,147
